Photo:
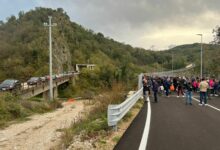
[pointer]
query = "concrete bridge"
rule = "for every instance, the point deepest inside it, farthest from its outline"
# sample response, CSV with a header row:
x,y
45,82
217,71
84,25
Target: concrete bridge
x,y
43,88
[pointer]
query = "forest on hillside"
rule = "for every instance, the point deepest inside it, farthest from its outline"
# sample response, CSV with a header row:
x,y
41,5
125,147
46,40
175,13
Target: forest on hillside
x,y
24,50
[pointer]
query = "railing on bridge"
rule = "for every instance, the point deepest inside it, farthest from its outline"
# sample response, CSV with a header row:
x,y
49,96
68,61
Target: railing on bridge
x,y
43,87
30,91
43,84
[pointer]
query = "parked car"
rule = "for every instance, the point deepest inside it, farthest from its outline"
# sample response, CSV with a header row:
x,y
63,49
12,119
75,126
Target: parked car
x,y
10,84
34,81
43,79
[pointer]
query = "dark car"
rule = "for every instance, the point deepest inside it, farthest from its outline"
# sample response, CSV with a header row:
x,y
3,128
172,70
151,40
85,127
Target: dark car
x,y
34,81
10,84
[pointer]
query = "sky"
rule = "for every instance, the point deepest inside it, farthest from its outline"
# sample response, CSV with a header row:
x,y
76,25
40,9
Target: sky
x,y
150,24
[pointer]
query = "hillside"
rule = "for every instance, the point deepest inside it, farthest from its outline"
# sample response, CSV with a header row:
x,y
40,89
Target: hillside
x,y
24,49
191,53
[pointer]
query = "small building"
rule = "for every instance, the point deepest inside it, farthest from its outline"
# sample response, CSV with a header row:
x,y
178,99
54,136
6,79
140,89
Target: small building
x,y
89,66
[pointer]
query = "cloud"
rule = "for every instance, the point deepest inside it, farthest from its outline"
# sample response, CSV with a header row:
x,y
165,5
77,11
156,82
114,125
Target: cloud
x,y
130,20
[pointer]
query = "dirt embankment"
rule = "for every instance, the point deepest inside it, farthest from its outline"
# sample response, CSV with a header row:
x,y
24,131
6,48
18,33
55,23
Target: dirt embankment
x,y
41,131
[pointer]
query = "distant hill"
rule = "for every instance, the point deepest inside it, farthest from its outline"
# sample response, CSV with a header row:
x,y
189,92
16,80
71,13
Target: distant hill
x,y
24,49
191,53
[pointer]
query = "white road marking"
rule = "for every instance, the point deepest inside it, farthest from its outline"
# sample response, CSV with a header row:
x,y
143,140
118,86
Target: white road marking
x,y
144,139
207,104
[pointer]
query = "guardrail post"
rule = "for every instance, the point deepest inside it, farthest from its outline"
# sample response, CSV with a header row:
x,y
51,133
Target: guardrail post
x,y
115,128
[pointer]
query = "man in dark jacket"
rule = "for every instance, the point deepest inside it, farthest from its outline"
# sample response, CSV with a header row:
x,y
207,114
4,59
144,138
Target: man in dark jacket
x,y
155,87
189,89
166,85
175,83
180,83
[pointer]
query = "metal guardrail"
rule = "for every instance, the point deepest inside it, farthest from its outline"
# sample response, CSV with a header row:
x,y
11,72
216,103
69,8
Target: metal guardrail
x,y
117,112
171,72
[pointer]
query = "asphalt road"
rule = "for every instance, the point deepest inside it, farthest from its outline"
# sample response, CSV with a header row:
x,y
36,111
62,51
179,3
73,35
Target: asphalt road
x,y
132,136
176,126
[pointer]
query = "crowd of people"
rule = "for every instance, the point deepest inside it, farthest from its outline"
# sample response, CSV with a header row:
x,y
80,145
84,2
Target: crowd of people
x,y
182,86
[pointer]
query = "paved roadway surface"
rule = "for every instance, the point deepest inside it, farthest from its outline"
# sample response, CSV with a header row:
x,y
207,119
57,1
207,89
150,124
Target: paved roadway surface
x,y
176,126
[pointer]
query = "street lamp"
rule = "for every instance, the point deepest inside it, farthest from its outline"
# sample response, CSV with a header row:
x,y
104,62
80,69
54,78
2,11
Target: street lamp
x,y
172,63
201,74
50,55
170,47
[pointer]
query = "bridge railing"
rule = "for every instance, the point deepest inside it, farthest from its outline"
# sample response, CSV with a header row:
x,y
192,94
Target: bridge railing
x,y
117,112
44,84
41,85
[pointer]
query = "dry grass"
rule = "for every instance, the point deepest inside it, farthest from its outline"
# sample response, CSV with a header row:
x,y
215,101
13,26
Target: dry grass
x,y
94,122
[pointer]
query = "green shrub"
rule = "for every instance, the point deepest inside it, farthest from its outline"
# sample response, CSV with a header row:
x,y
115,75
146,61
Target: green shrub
x,y
12,108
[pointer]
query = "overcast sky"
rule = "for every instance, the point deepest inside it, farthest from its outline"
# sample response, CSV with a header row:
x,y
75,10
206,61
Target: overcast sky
x,y
140,23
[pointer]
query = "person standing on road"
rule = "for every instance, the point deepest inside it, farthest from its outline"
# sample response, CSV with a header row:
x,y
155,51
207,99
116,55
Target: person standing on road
x,y
189,89
208,93
215,88
149,84
203,86
211,86
194,82
175,83
145,88
179,87
155,87
166,85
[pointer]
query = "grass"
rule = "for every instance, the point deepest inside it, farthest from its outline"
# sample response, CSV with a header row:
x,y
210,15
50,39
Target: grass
x,y
116,139
95,122
139,104
127,116
12,108
102,141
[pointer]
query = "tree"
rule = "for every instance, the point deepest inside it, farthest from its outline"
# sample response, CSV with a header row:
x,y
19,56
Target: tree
x,y
216,33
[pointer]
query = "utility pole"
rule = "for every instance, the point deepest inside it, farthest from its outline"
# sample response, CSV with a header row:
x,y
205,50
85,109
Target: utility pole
x,y
172,63
170,48
50,55
201,73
